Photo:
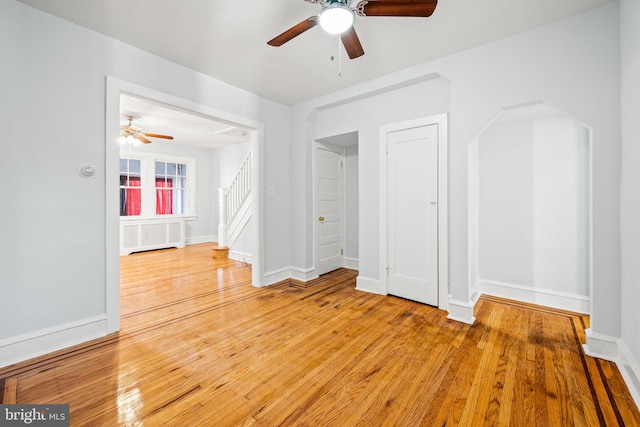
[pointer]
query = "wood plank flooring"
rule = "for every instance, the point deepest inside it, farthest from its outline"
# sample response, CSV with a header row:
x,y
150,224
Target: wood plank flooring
x,y
200,346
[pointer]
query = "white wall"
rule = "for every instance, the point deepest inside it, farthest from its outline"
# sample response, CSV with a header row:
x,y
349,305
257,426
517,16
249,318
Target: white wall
x,y
534,205
52,261
561,205
473,210
630,197
418,99
572,64
230,159
352,201
506,205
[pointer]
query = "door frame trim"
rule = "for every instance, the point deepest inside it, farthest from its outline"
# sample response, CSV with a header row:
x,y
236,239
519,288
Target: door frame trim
x,y
316,241
114,88
441,120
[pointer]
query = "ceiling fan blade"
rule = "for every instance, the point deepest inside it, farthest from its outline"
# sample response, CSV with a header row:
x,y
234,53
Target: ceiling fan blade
x,y
143,139
155,135
294,31
419,8
351,43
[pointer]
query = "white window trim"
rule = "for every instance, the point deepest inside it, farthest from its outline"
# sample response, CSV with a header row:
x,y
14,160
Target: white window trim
x,y
147,174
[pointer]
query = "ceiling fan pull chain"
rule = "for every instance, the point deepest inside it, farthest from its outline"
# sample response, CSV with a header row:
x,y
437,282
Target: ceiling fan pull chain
x,y
339,56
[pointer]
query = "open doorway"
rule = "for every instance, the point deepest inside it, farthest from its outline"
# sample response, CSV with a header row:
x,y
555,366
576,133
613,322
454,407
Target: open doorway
x,y
336,202
116,89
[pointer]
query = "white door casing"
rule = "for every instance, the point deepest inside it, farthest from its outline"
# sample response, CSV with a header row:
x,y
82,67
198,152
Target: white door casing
x,y
413,210
329,206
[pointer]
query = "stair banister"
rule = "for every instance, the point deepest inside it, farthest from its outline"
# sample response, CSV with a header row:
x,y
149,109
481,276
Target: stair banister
x,y
231,199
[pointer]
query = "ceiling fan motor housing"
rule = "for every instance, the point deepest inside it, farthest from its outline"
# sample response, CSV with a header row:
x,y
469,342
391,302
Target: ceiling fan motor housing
x,y
344,13
337,17
328,2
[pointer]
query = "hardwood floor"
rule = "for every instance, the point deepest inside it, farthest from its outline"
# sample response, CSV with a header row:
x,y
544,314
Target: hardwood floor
x,y
199,346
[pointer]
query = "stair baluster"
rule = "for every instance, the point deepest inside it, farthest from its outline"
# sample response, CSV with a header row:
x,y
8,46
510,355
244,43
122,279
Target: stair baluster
x,y
232,199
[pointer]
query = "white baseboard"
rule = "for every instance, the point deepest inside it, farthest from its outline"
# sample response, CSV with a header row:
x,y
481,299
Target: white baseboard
x,y
34,344
546,297
601,346
351,263
303,275
296,273
615,350
240,256
200,239
630,370
367,284
276,276
462,311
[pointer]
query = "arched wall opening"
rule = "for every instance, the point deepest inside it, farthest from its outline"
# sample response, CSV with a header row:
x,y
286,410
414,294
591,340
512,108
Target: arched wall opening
x,y
529,208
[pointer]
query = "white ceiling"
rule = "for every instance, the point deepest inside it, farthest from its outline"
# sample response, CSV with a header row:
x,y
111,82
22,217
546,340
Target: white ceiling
x,y
186,128
226,39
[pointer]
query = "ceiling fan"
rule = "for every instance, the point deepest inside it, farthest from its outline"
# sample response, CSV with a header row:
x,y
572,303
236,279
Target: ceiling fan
x,y
131,133
337,17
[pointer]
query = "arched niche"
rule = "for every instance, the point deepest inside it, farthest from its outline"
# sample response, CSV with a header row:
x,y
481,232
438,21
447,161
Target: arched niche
x,y
529,208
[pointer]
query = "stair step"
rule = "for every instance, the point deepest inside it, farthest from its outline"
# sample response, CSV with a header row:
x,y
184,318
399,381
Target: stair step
x,y
220,253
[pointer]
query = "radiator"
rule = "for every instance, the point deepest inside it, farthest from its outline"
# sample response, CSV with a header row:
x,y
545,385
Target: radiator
x,y
144,235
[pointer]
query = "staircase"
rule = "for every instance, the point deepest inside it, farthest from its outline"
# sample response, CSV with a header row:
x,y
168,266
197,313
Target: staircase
x,y
234,209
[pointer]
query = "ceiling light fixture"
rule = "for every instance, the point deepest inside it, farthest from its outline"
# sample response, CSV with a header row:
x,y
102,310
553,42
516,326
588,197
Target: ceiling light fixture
x,y
128,139
336,18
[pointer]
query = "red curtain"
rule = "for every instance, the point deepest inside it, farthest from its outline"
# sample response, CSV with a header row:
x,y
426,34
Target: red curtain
x,y
164,198
133,196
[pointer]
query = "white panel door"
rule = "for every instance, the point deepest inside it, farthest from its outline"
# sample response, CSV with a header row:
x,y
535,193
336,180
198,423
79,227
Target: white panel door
x,y
412,174
329,218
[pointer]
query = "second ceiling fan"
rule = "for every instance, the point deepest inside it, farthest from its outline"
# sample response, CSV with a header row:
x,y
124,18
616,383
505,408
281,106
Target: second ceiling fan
x,y
131,133
337,17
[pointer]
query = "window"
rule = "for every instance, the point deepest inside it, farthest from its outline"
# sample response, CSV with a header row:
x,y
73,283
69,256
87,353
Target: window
x,y
171,188
154,185
130,187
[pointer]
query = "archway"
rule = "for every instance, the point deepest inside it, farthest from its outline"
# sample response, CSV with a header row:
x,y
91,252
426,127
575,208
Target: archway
x,y
529,208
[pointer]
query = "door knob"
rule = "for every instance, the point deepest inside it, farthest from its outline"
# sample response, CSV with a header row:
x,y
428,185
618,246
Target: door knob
x,y
321,218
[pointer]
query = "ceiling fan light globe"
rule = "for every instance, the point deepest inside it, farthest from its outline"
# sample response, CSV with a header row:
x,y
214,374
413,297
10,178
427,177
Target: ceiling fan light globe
x,y
336,18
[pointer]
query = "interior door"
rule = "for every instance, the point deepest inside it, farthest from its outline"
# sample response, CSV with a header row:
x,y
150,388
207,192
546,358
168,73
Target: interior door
x,y
412,175
329,209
